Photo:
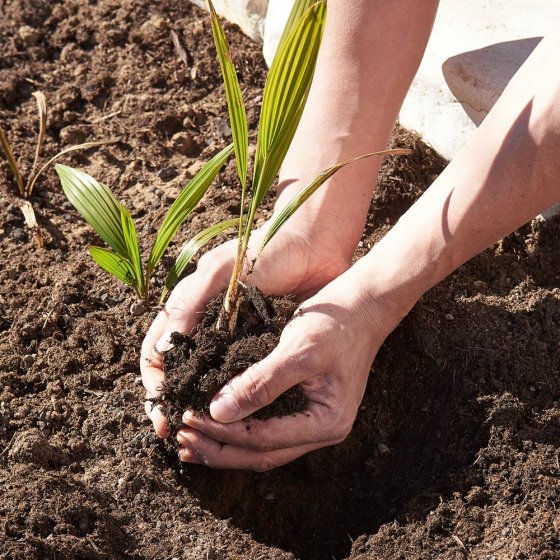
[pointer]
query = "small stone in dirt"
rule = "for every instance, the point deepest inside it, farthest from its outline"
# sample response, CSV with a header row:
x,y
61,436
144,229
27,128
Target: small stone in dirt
x,y
167,173
383,449
72,135
12,209
182,142
29,35
31,446
19,234
224,128
138,308
195,168
28,360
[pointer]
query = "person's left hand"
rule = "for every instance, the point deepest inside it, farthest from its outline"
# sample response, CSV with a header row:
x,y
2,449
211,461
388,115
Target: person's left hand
x,y
328,348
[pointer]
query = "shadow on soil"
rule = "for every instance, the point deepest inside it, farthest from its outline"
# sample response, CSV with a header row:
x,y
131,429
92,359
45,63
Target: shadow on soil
x,y
423,420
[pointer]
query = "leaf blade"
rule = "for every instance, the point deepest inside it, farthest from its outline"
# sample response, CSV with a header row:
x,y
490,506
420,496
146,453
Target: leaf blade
x,y
42,110
12,162
234,98
190,249
131,240
96,204
189,197
289,210
114,264
285,94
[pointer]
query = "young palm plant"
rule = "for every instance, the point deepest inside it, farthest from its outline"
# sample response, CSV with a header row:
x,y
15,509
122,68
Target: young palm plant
x,y
25,187
285,94
113,223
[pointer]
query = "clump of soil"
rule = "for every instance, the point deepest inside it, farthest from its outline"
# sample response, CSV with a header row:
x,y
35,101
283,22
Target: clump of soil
x,y
200,364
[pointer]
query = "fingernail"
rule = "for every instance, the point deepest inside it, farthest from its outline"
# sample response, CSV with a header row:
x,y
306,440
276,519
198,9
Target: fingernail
x,y
164,343
187,416
224,408
187,455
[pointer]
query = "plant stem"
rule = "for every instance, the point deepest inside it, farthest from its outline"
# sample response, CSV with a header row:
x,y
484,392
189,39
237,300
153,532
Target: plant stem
x,y
230,309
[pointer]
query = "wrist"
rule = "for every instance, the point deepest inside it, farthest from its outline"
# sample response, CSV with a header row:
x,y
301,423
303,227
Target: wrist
x,y
398,272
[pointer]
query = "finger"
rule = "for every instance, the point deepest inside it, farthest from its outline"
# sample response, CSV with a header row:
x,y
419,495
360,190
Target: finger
x,y
259,385
158,419
189,298
318,423
201,449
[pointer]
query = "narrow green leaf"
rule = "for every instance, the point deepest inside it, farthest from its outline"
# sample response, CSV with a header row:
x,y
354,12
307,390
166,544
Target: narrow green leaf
x,y
184,204
300,198
114,264
131,240
236,109
77,147
285,94
96,204
297,11
190,249
12,162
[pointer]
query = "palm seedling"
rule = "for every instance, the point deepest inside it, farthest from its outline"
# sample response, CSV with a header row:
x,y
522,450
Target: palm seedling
x,y
284,98
285,94
113,223
25,187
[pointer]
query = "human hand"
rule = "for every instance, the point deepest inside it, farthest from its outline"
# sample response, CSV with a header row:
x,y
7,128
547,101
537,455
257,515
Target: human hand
x,y
327,348
290,265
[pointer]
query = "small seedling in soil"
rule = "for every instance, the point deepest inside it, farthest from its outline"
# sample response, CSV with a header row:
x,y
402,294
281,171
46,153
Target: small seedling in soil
x,y
113,223
240,327
25,187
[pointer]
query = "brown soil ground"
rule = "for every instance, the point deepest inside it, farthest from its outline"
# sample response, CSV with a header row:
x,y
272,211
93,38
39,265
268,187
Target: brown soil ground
x,y
455,452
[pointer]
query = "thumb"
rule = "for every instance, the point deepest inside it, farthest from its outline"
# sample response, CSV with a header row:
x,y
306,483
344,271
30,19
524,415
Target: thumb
x,y
255,388
189,298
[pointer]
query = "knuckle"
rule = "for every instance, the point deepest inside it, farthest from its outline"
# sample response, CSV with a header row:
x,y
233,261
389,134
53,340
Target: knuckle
x,y
255,389
176,305
264,445
265,464
341,431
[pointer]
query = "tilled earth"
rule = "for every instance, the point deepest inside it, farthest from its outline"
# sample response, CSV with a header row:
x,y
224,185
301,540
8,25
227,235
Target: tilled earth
x,y
455,452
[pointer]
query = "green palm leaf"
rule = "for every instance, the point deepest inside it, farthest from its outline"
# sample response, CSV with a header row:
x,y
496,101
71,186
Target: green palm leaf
x,y
114,264
96,204
297,11
290,209
190,249
184,204
285,94
236,109
131,239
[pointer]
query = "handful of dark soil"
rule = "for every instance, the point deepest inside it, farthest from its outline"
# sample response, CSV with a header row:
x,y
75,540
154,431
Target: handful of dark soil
x,y
200,364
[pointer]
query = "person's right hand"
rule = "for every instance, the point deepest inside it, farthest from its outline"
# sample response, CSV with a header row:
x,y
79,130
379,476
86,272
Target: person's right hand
x,y
291,264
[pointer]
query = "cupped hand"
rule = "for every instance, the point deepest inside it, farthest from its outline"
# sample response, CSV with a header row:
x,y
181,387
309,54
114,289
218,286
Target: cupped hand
x,y
289,265
328,348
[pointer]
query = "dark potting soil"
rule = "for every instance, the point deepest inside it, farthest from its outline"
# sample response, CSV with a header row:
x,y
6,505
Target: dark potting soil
x,y
200,364
455,450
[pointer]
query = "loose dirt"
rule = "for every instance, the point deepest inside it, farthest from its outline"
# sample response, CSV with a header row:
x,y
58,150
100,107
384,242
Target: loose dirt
x,y
199,364
455,451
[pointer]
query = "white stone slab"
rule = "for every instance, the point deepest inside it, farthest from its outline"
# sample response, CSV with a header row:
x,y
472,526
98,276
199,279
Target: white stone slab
x,y
276,18
475,48
248,14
